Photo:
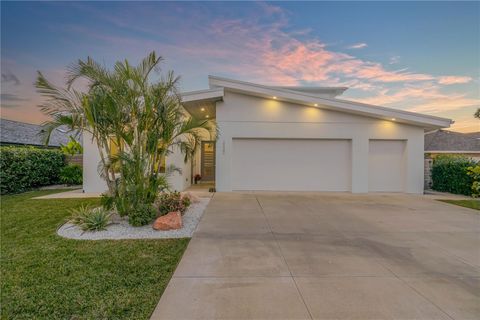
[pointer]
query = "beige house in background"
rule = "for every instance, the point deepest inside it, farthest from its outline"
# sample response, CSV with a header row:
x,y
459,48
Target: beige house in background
x,y
296,139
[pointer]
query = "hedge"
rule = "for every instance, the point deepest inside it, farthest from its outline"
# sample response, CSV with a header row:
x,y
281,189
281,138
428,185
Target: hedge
x,y
450,174
71,174
24,168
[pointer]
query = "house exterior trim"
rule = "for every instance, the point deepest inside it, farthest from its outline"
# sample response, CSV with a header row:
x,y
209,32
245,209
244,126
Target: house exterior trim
x,y
210,94
425,121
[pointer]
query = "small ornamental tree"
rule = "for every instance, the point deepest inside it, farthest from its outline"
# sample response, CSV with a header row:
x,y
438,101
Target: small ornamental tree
x,y
142,120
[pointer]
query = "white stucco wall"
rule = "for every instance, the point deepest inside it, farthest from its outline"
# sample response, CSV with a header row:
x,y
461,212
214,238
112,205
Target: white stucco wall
x,y
92,182
179,181
242,116
386,165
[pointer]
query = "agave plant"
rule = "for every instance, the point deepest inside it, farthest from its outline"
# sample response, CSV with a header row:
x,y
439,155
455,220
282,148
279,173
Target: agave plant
x,y
89,219
144,119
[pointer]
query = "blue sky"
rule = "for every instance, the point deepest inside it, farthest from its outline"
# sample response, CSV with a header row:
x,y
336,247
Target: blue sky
x,y
419,56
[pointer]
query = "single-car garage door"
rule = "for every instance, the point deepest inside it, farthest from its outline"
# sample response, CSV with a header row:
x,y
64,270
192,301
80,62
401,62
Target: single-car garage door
x,y
291,164
386,165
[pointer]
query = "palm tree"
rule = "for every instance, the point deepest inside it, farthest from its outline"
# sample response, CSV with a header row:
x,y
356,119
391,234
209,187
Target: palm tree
x,y
145,121
477,114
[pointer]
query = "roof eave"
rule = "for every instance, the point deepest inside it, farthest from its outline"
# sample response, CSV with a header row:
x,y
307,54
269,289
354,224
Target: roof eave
x,y
425,121
209,94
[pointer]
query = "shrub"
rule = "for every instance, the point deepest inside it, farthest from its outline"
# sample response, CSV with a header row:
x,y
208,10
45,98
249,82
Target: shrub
x,y
474,172
71,174
172,201
141,215
89,219
450,174
23,168
72,148
107,201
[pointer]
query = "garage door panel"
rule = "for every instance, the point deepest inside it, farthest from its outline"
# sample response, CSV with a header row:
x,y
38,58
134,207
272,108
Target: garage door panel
x,y
386,165
291,165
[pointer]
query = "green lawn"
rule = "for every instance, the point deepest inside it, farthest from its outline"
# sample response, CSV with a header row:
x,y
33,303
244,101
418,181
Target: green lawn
x,y
473,204
46,276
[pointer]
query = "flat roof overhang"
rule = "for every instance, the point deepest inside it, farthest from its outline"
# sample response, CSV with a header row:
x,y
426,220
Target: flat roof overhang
x,y
427,122
202,104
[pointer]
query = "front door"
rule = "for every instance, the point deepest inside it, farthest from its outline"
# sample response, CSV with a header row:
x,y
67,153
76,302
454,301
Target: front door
x,y
208,160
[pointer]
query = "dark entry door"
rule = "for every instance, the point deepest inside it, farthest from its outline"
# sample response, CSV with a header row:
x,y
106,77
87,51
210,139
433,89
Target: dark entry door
x,y
208,160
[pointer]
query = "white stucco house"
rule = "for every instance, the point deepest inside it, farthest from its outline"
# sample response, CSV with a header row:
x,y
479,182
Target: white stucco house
x,y
296,139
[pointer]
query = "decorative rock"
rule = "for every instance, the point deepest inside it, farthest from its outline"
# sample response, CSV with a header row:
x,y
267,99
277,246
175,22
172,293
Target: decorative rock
x,y
170,221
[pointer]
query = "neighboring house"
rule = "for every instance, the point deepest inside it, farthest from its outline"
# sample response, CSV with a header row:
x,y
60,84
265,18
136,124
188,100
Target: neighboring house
x,y
296,139
449,142
27,134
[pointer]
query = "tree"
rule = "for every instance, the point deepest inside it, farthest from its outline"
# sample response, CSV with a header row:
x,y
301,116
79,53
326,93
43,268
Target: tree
x,y
145,121
477,114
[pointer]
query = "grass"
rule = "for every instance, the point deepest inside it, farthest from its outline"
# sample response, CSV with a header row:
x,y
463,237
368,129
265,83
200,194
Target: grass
x,y
472,204
46,276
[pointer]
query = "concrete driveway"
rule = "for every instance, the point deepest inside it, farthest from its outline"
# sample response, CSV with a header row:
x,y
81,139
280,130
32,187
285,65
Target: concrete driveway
x,y
328,256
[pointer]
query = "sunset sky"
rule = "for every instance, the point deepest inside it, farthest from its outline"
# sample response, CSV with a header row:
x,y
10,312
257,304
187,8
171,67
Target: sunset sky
x,y
417,56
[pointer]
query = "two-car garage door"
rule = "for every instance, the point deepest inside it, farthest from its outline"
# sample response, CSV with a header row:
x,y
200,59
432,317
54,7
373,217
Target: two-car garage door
x,y
313,165
291,164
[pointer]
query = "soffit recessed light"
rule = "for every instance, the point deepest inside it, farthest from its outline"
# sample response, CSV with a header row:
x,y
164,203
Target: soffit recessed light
x,y
393,119
316,104
207,116
274,97
202,109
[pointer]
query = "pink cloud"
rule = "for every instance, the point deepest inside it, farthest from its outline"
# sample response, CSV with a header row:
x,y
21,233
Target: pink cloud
x,y
281,58
426,98
445,103
259,49
453,79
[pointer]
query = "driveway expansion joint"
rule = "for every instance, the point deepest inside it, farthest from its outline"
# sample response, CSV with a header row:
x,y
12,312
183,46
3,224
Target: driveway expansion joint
x,y
284,259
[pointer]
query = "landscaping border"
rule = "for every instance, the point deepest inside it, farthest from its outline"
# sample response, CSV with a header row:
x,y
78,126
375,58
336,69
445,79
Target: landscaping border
x,y
121,229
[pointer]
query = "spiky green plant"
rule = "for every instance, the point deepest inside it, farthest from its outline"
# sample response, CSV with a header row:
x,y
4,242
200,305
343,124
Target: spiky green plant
x,y
89,219
145,119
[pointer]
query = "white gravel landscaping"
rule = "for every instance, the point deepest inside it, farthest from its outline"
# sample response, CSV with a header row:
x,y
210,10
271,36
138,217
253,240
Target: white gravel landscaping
x,y
120,229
